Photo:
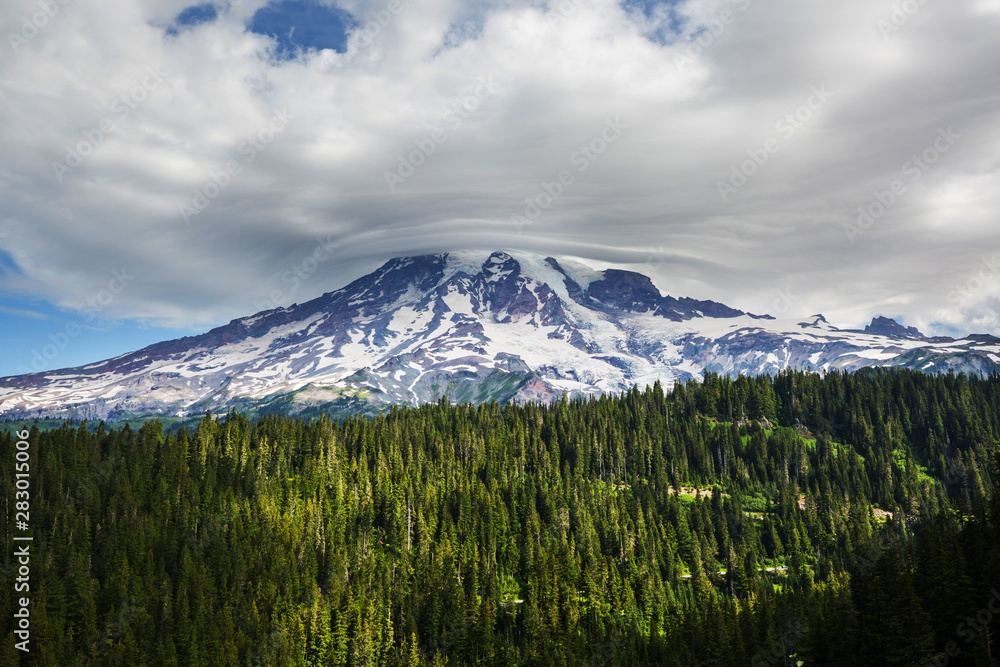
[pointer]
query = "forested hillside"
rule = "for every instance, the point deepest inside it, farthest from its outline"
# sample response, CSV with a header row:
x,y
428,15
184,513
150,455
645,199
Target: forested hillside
x,y
848,519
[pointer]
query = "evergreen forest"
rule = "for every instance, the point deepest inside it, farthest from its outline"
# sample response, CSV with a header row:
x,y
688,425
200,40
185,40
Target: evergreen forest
x,y
847,519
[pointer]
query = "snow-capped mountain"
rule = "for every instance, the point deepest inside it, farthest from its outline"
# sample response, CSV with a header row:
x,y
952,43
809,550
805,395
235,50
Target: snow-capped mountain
x,y
471,326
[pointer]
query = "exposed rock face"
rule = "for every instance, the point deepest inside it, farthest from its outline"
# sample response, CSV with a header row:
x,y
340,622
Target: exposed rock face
x,y
471,326
883,326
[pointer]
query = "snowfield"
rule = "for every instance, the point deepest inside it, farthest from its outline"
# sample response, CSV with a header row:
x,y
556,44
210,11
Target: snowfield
x,y
472,326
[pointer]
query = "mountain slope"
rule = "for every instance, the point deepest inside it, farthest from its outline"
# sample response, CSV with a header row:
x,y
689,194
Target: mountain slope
x,y
472,326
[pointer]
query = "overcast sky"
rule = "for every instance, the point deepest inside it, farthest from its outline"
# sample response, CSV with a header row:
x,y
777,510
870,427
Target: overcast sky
x,y
177,166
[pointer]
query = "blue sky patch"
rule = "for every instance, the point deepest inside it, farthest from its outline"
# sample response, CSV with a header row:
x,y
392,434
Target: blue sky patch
x,y
7,264
468,24
669,29
300,25
197,14
192,16
37,336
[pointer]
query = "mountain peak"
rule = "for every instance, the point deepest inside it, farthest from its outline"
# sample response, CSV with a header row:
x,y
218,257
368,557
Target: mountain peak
x,y
625,290
499,265
886,326
473,326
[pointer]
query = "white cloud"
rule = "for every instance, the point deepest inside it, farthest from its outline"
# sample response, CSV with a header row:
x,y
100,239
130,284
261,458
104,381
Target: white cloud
x,y
651,194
